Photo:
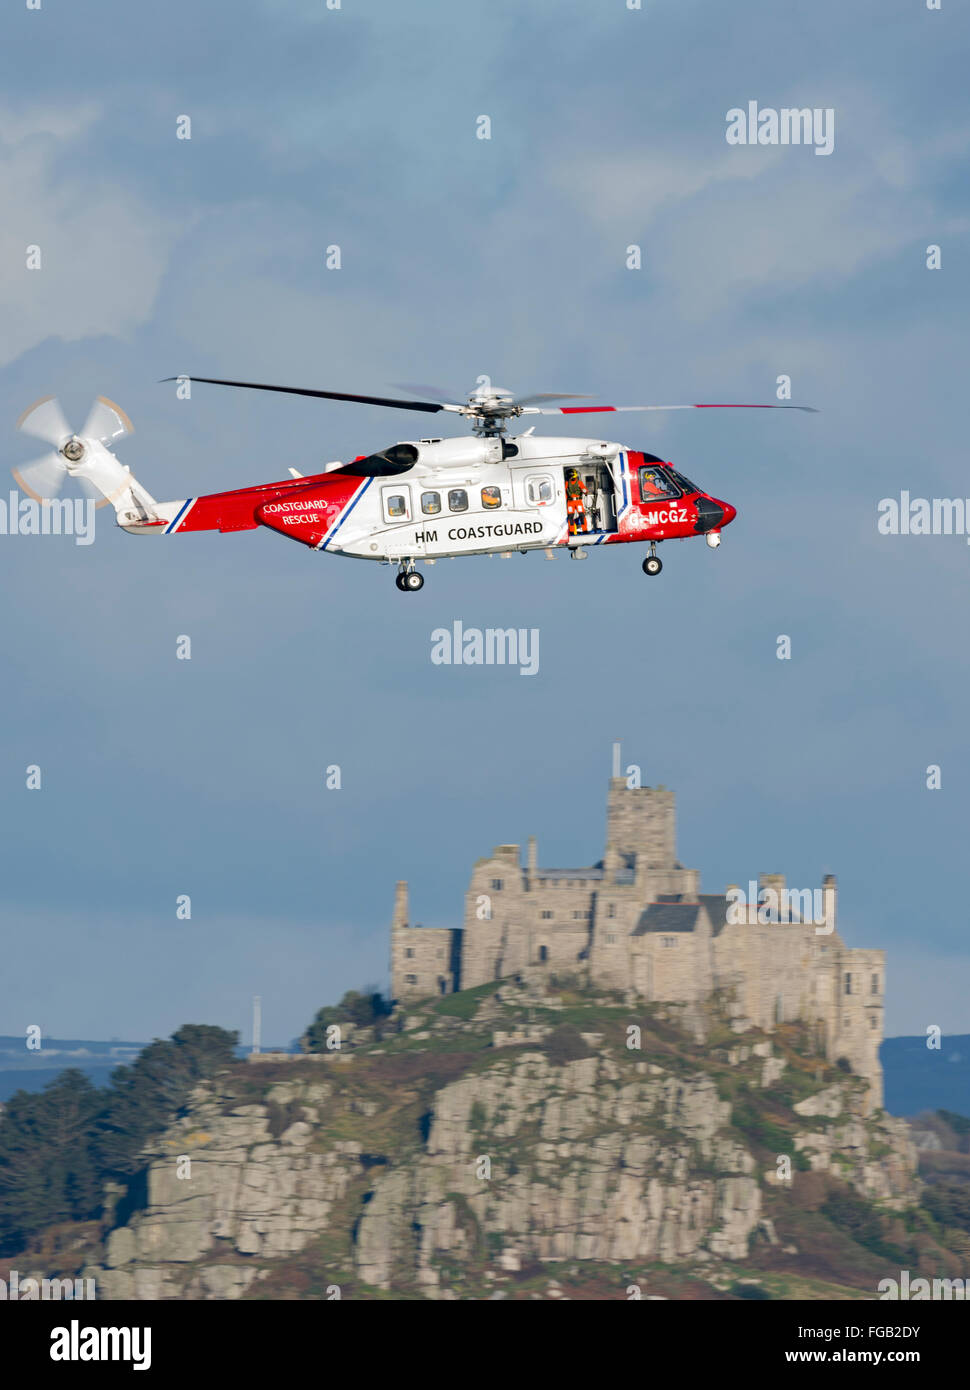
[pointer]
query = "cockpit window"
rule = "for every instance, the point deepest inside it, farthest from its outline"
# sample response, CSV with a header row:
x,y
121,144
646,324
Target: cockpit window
x,y
685,483
656,482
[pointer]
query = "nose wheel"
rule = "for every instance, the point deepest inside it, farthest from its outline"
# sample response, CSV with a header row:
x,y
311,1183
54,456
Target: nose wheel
x,y
652,565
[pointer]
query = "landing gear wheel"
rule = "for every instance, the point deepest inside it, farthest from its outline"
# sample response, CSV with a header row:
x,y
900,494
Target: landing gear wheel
x,y
399,581
652,565
413,581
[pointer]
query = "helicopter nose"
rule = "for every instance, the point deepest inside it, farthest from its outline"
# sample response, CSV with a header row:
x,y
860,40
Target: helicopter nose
x,y
712,514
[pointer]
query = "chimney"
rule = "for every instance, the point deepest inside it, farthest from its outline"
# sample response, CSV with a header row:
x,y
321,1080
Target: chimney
x,y
830,902
733,913
773,884
533,857
400,918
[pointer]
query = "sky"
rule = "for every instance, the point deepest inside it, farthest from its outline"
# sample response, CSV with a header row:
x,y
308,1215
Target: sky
x,y
357,127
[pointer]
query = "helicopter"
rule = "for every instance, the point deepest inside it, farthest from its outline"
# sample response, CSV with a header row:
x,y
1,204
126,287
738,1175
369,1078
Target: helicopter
x,y
490,492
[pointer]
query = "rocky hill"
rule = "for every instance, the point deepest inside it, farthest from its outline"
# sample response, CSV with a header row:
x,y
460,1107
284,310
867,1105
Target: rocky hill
x,y
509,1143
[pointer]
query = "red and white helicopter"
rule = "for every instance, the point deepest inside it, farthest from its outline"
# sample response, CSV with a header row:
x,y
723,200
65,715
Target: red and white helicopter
x,y
419,500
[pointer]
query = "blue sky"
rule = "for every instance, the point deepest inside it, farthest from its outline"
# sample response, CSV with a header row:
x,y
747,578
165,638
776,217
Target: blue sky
x,y
356,127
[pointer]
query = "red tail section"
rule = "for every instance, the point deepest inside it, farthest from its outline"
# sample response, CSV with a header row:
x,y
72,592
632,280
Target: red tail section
x,y
271,504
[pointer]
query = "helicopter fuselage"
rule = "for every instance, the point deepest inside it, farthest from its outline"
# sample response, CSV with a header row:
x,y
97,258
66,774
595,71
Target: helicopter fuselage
x,y
471,496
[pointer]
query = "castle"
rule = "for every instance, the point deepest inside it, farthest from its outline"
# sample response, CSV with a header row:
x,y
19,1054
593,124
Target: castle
x,y
637,921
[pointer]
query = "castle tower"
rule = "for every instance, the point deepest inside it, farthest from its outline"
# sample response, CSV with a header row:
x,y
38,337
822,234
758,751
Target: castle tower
x,y
424,960
641,825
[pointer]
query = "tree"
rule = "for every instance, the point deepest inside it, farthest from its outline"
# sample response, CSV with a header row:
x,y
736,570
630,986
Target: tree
x,y
143,1097
59,1145
365,1008
48,1170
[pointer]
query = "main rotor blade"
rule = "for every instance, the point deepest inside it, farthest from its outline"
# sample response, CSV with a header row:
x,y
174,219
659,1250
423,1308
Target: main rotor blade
x,y
45,420
552,396
42,478
595,409
438,392
429,407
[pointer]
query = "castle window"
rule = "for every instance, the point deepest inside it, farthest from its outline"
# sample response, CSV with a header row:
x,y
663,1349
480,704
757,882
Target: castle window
x,y
611,938
545,914
873,1020
848,984
410,979
668,941
582,916
611,910
543,953
498,884
875,985
409,952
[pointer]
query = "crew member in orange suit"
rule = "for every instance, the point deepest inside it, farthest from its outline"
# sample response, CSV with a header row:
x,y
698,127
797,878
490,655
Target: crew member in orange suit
x,y
575,510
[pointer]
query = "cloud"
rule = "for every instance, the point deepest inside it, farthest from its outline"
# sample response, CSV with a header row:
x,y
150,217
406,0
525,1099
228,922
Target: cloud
x,y
102,249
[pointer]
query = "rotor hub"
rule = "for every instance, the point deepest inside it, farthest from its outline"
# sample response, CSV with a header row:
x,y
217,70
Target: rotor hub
x,y
488,411
73,450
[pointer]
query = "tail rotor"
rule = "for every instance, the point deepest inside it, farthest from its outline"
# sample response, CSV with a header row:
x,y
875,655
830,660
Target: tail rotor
x,y
69,454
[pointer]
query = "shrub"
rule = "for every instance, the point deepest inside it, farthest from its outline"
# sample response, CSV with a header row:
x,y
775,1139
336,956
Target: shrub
x,y
363,1008
566,1044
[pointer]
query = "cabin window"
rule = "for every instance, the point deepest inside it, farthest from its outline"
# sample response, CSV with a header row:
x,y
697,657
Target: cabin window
x,y
431,503
458,500
396,505
539,491
491,497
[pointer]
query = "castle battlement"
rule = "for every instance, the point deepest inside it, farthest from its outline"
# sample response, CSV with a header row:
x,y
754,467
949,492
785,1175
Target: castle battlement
x,y
637,921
